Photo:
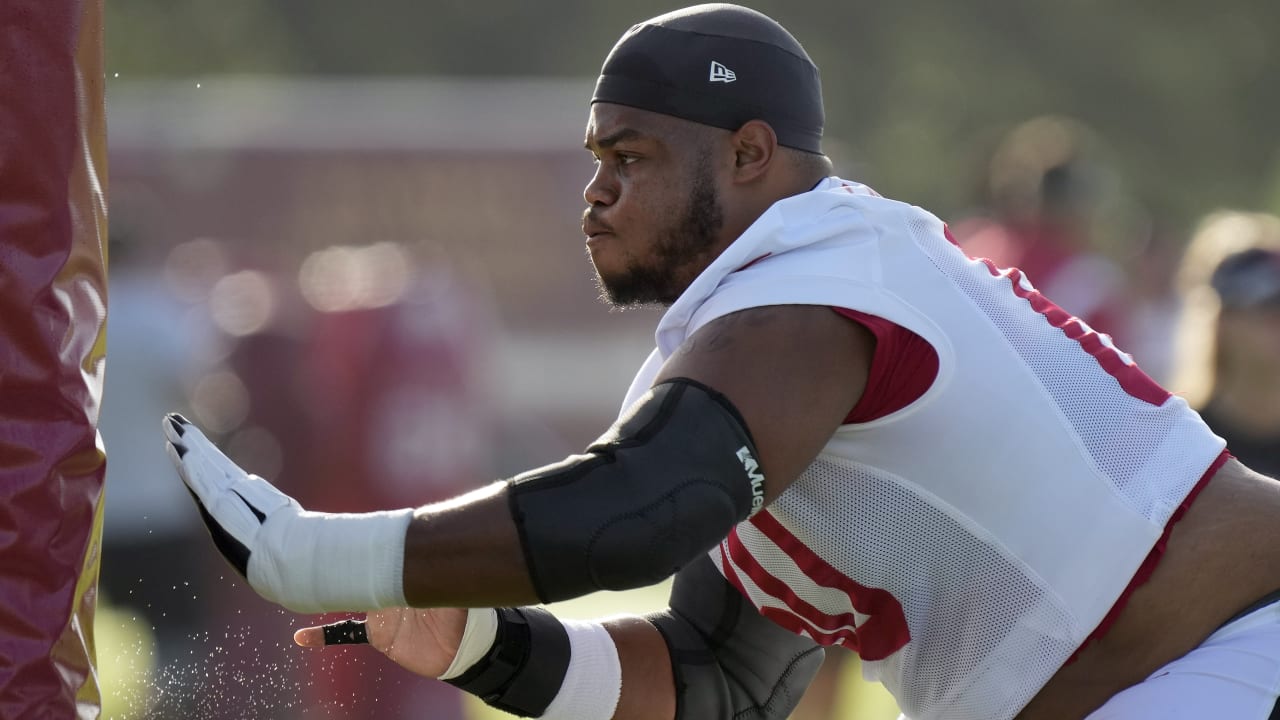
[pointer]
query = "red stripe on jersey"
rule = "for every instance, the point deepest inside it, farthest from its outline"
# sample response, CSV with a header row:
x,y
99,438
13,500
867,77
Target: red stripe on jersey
x,y
784,620
789,621
885,630
946,231
836,628
753,262
1131,378
849,189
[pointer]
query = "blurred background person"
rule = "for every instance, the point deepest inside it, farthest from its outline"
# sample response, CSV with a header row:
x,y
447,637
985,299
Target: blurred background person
x,y
1228,341
399,413
1155,305
355,379
1042,193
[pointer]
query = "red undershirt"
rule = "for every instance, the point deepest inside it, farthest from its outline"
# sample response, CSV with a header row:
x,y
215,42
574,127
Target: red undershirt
x,y
902,368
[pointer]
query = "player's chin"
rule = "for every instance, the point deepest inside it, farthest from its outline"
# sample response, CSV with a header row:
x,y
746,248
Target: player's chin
x,y
629,291
611,270
608,291
605,255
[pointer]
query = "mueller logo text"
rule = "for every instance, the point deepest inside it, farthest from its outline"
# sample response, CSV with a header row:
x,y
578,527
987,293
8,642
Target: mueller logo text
x,y
755,476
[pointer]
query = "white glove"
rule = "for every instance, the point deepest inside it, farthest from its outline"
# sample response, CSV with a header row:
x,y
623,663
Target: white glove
x,y
305,561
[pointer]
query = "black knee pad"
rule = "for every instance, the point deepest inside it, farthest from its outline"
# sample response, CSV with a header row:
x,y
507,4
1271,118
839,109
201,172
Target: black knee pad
x,y
729,662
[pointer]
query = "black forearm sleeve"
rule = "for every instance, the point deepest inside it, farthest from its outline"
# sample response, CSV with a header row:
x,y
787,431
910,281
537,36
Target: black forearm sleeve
x,y
728,660
663,486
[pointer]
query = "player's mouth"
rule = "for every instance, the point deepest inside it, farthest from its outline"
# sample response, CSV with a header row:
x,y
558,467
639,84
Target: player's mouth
x,y
595,231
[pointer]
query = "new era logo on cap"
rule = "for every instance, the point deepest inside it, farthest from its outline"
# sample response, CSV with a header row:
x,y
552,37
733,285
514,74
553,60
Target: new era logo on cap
x,y
720,73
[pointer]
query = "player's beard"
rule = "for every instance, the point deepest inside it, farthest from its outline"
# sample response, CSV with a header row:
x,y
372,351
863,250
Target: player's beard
x,y
680,251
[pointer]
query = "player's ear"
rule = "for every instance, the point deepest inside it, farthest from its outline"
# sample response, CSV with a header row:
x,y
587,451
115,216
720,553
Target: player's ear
x,y
755,147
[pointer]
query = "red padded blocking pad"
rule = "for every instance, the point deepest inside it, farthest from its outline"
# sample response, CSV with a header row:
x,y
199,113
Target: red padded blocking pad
x,y
52,309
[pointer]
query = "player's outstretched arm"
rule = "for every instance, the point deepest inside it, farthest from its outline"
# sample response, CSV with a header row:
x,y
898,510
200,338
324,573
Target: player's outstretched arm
x,y
734,417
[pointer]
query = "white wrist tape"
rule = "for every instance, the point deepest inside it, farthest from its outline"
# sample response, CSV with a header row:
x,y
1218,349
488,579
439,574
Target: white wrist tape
x,y
477,638
593,683
319,562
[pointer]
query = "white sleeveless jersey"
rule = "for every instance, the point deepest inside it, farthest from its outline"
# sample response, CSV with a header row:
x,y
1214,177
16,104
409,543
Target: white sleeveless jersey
x,y
968,543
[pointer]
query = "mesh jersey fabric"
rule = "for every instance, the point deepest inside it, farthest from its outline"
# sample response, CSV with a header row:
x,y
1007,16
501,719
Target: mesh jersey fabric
x,y
968,543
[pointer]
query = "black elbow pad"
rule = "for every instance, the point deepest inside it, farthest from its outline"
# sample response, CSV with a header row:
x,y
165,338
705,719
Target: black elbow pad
x,y
664,485
728,661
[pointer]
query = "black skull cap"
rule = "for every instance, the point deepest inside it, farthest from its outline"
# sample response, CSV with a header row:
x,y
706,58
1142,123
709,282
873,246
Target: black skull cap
x,y
721,65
